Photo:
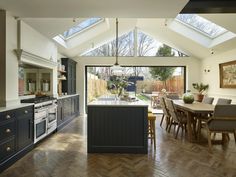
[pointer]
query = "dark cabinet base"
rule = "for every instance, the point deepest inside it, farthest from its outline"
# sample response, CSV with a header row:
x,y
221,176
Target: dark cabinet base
x,y
7,163
16,135
67,110
117,129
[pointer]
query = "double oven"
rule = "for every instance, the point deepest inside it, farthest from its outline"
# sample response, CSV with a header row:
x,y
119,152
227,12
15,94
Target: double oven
x,y
45,117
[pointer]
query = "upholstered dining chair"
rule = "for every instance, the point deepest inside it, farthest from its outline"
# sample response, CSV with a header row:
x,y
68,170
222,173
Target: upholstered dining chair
x,y
202,118
207,100
173,96
222,101
166,114
222,121
177,118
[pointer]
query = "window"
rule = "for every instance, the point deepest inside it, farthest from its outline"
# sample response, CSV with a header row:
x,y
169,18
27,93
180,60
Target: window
x,y
81,26
201,24
125,47
146,46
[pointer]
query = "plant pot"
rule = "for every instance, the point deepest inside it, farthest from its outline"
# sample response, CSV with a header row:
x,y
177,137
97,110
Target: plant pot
x,y
200,97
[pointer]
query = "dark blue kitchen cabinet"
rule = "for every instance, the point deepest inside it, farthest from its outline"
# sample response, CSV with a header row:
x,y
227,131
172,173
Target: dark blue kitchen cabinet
x,y
16,134
24,127
69,85
67,110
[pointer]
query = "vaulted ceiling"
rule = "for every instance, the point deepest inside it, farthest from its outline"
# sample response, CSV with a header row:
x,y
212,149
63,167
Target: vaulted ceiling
x,y
154,17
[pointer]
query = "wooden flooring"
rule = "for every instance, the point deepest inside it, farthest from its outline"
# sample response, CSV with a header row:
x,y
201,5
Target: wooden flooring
x,y
64,155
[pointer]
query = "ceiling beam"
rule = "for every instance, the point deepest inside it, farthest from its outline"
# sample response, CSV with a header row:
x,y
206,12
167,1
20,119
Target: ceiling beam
x,y
210,6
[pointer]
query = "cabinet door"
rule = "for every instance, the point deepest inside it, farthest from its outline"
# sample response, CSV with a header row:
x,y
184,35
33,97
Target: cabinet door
x,y
66,108
77,105
24,130
70,78
59,112
74,78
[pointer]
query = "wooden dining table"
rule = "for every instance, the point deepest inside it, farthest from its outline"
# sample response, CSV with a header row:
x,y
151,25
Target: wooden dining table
x,y
191,110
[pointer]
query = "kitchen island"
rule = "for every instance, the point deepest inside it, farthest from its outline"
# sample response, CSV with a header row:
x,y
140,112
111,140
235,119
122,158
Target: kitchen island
x,y
117,127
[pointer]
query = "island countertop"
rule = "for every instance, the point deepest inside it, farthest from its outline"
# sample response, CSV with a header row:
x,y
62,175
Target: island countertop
x,y
138,103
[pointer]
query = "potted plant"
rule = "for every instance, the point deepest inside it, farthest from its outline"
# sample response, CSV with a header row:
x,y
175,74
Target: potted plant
x,y
201,88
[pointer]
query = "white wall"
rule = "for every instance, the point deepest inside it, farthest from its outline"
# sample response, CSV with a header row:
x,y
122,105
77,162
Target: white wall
x,y
192,67
213,77
11,61
34,42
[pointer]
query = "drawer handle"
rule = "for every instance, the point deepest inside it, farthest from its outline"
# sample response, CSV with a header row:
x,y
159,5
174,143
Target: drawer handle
x,y
8,130
26,112
8,149
8,116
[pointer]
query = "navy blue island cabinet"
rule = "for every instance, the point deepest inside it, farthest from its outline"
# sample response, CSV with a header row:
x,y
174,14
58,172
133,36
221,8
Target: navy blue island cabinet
x,y
117,127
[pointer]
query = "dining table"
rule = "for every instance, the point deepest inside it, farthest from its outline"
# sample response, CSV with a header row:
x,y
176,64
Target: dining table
x,y
191,110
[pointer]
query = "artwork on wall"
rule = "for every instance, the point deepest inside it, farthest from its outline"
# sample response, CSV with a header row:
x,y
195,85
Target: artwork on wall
x,y
228,74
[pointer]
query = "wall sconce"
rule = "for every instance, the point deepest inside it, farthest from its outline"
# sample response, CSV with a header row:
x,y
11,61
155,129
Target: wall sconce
x,y
207,70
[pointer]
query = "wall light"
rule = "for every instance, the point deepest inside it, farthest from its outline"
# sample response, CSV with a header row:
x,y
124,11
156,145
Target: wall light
x,y
207,70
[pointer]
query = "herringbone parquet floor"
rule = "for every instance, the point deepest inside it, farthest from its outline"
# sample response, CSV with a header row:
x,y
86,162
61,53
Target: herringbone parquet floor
x,y
64,155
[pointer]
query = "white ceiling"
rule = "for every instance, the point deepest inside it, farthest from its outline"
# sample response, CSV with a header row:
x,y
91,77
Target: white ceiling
x,y
51,27
154,27
50,18
93,8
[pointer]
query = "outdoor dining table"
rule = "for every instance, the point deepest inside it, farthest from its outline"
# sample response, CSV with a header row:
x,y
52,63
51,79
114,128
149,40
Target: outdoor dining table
x,y
191,110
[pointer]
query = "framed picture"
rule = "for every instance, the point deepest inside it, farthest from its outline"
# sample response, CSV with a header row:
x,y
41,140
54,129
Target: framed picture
x,y
228,74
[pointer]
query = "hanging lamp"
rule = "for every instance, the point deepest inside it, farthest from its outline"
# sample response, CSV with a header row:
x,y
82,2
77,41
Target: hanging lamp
x,y
116,68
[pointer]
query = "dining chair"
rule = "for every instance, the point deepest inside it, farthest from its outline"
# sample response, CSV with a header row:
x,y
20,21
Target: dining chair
x,y
223,101
173,96
202,118
177,118
165,114
208,100
222,121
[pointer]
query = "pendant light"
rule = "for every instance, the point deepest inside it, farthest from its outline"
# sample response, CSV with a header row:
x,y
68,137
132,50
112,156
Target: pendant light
x,y
116,68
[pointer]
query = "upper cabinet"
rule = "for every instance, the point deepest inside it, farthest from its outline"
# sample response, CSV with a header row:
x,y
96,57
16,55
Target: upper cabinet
x,y
69,85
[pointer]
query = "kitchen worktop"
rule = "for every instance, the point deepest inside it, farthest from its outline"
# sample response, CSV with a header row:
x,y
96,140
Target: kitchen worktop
x,y
137,103
66,96
21,105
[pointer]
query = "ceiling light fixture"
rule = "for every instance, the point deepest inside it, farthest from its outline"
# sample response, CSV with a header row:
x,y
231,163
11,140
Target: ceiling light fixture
x,y
116,68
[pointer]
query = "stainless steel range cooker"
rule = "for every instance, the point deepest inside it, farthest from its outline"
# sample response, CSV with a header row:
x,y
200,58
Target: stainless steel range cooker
x,y
45,116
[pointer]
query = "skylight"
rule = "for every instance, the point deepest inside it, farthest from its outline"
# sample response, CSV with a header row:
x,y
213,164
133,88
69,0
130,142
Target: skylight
x,y
81,26
201,24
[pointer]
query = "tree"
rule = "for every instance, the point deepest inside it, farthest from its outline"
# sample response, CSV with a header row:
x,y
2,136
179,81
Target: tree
x,y
162,73
165,51
145,44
